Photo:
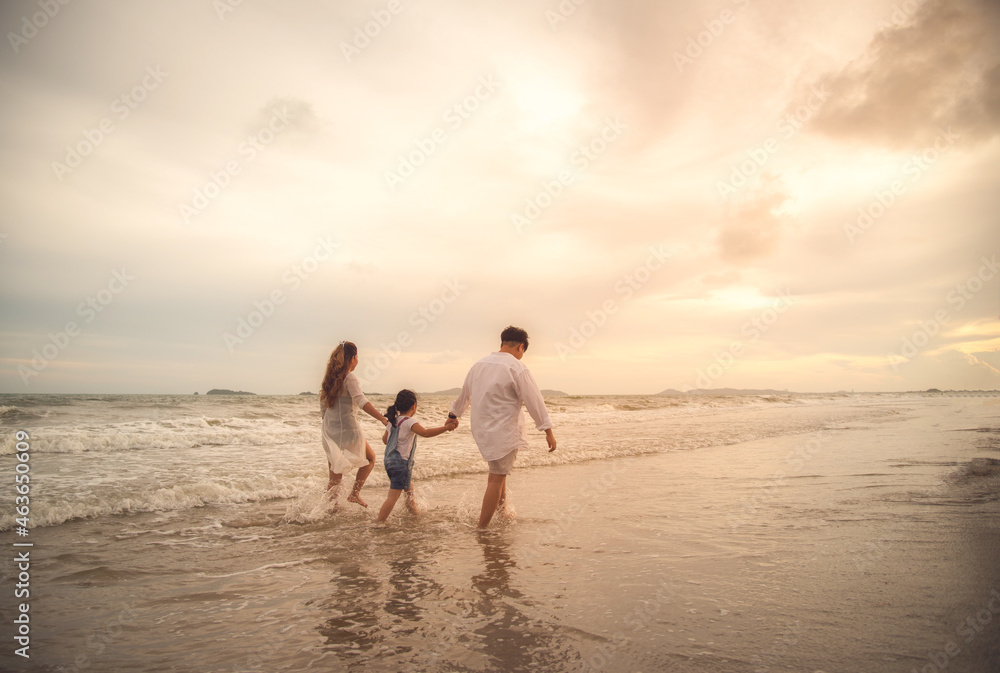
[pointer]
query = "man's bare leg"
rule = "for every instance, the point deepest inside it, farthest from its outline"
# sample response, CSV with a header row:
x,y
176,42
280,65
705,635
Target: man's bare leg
x,y
494,492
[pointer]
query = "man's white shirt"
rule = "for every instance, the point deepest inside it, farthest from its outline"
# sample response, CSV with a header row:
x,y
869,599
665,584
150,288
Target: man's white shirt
x,y
496,387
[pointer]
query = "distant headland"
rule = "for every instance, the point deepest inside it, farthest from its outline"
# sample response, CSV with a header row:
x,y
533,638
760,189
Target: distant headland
x,y
223,391
724,391
455,391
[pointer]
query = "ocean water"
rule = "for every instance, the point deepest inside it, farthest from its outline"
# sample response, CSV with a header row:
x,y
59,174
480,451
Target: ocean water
x,y
118,454
750,533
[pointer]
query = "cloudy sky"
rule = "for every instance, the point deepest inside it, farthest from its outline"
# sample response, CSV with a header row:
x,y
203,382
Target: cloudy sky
x,y
728,193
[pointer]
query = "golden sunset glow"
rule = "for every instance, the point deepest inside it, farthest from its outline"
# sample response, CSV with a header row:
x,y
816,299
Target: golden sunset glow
x,y
645,188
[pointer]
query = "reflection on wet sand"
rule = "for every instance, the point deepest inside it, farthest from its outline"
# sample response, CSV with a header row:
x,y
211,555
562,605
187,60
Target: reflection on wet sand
x,y
509,636
383,613
494,581
353,627
396,610
406,587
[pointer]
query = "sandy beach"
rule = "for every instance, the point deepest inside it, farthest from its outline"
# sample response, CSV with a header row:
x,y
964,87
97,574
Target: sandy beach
x,y
864,536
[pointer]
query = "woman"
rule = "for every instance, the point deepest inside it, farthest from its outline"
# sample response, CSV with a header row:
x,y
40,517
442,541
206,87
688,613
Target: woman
x,y
340,397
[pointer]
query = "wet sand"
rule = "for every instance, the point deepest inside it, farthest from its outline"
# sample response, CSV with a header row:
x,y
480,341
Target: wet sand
x,y
867,545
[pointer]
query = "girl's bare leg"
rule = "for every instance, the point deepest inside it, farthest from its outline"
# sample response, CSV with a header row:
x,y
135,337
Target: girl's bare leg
x,y
390,502
411,500
363,473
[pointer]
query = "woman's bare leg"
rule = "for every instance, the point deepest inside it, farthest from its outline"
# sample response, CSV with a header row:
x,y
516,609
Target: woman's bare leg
x,y
334,480
363,473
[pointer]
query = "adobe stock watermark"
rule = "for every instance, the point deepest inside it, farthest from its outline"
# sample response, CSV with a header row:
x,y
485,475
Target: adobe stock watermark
x,y
121,108
421,319
752,329
564,10
884,199
99,641
31,26
581,159
624,289
638,619
264,308
248,150
795,460
901,14
88,310
255,661
223,7
697,44
370,30
967,630
786,128
779,647
874,551
456,115
594,490
911,345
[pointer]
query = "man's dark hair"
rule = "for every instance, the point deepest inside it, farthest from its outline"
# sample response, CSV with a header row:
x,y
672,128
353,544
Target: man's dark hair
x,y
512,336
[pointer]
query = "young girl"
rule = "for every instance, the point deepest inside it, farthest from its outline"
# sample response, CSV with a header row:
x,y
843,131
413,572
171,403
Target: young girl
x,y
400,445
340,397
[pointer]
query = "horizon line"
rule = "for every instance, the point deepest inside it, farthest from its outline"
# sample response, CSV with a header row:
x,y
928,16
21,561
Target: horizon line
x,y
667,392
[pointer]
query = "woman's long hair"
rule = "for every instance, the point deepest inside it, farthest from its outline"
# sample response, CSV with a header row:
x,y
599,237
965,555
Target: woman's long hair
x,y
336,371
405,399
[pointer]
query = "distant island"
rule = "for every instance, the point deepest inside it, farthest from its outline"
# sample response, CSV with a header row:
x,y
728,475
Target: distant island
x,y
724,391
455,391
223,391
307,393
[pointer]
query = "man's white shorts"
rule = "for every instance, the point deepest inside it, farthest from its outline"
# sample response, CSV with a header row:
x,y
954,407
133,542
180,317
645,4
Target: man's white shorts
x,y
503,465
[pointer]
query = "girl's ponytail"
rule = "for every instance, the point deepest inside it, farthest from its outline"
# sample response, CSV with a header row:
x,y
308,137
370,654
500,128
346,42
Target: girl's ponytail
x,y
405,399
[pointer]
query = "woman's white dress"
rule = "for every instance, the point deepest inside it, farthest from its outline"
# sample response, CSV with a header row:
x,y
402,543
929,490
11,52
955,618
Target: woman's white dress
x,y
343,439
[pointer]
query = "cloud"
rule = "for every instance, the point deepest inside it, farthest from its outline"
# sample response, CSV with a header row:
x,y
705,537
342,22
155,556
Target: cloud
x,y
948,370
973,360
444,357
725,279
350,121
296,112
934,69
754,230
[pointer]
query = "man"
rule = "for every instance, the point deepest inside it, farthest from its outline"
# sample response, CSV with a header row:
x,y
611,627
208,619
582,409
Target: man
x,y
497,386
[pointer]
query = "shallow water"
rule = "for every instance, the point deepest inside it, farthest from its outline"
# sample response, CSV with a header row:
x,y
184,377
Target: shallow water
x,y
836,533
146,453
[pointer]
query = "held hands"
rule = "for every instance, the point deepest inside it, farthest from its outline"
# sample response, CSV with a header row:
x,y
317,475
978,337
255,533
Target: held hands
x,y
451,424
